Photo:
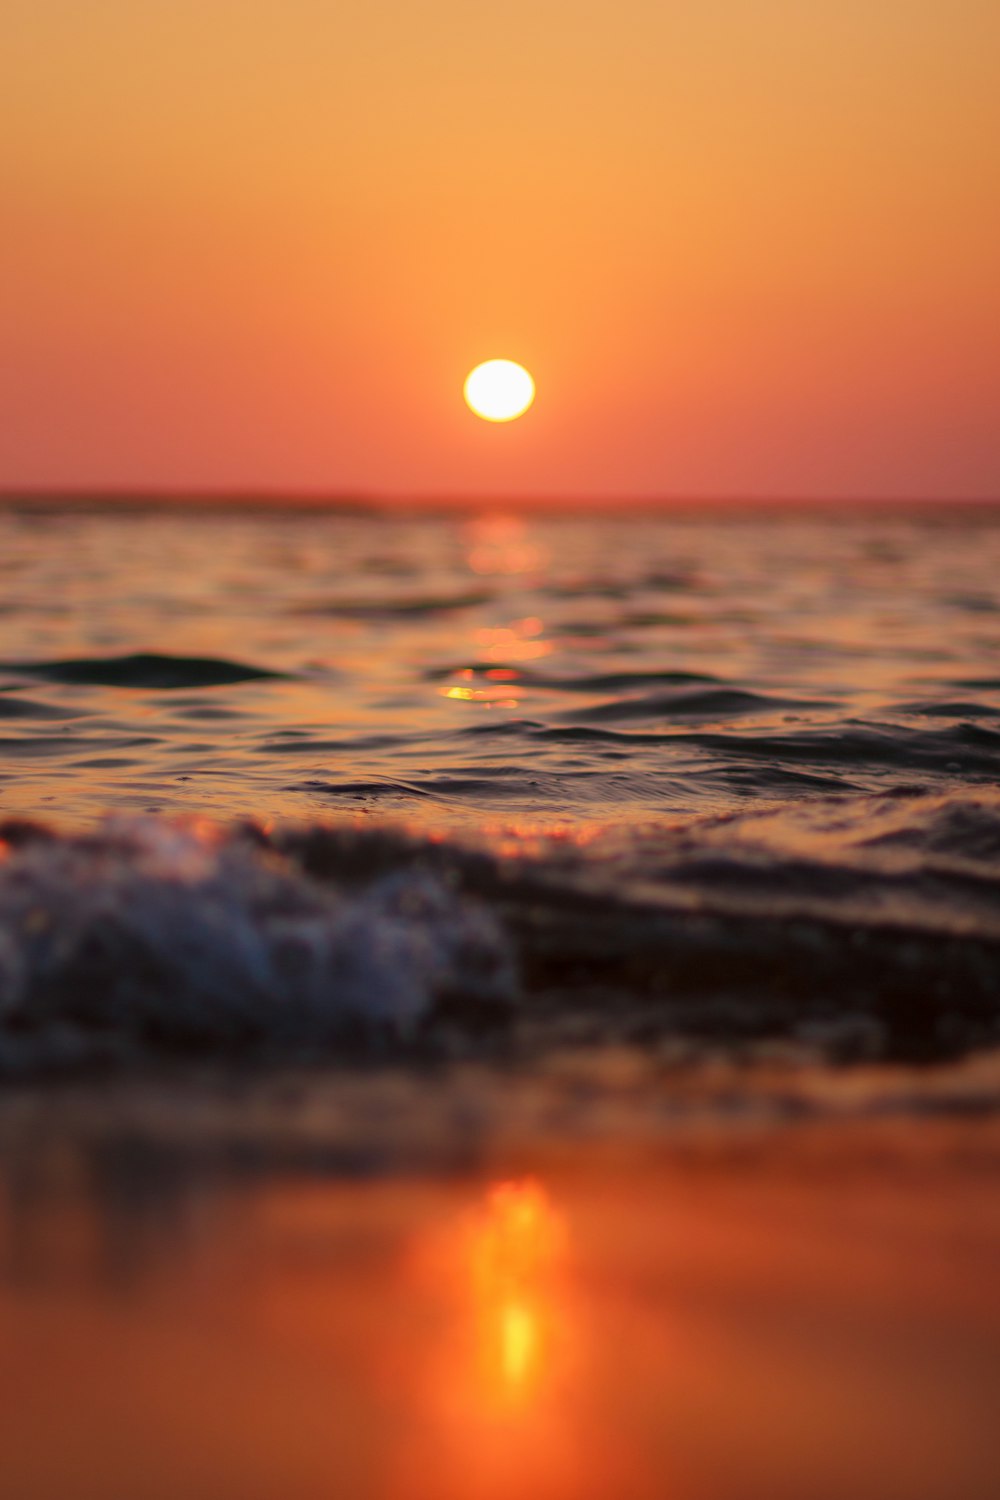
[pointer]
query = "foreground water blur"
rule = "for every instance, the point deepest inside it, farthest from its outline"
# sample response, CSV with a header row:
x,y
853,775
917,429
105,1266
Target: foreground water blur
x,y
811,1312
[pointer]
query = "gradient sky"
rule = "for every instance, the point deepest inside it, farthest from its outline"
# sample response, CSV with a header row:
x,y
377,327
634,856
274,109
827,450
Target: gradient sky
x,y
745,246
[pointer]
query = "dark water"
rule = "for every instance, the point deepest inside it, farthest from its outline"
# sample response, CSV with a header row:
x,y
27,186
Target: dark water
x,y
727,775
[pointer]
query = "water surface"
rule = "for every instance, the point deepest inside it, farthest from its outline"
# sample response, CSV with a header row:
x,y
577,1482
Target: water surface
x,y
500,670
499,1005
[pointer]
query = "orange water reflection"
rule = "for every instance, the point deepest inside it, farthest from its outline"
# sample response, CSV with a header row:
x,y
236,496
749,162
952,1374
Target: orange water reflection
x,y
630,1328
498,1398
521,640
514,1251
501,544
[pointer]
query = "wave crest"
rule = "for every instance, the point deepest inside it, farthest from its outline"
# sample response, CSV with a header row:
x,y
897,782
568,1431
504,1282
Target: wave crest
x,y
153,934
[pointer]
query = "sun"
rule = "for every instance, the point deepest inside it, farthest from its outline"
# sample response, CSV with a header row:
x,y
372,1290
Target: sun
x,y
499,390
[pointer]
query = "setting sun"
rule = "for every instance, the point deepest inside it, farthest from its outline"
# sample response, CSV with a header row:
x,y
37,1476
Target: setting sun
x,y
499,390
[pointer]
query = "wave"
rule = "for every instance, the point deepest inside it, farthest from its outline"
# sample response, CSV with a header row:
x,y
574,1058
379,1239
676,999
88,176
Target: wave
x,y
712,703
145,669
389,608
879,933
962,748
949,709
481,785
149,936
28,708
600,682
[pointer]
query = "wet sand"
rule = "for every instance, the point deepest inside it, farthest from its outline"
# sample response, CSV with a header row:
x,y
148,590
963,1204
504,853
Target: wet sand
x,y
800,1309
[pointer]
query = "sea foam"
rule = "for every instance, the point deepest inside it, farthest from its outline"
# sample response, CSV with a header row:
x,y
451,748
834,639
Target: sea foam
x,y
153,934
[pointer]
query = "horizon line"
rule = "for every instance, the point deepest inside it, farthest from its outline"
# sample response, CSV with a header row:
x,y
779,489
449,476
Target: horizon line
x,y
275,497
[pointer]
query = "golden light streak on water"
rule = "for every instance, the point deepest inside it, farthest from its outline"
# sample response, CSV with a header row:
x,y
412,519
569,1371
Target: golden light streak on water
x,y
515,1249
519,1342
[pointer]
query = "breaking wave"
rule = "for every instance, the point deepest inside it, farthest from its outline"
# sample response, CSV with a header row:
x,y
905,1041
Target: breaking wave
x,y
151,936
869,935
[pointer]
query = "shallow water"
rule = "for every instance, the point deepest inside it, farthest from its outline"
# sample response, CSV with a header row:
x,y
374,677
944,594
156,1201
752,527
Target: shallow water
x,y
198,1296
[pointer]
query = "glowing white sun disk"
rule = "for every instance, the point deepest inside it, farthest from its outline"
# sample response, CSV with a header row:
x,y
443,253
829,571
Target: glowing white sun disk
x,y
499,390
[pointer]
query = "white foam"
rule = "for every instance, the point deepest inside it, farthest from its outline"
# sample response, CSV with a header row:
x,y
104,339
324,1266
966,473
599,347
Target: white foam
x,y
155,932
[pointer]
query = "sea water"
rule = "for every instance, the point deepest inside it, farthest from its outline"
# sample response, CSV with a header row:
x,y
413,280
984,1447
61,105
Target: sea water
x,y
727,772
499,1003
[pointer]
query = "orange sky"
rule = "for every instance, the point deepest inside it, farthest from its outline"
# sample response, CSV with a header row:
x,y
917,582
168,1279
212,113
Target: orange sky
x,y
745,246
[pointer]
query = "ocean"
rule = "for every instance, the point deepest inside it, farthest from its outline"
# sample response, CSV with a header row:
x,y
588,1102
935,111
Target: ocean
x,y
438,944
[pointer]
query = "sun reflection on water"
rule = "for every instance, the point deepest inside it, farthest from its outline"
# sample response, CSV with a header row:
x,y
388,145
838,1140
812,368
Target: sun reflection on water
x,y
521,640
499,1391
514,1248
501,544
498,1398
